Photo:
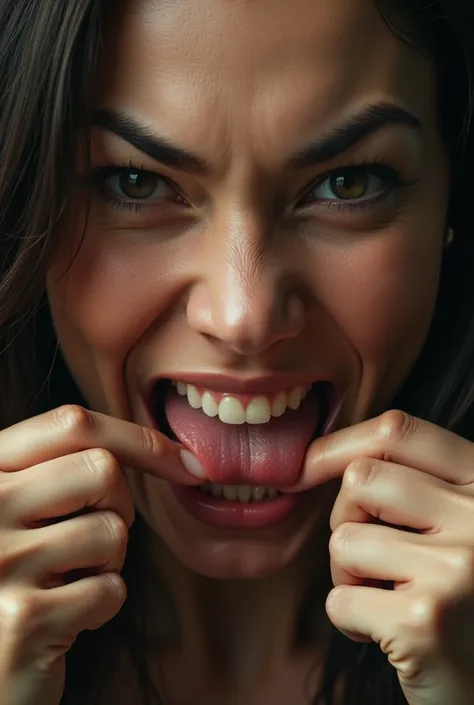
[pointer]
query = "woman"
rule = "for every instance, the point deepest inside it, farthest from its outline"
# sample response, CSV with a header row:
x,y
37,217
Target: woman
x,y
239,235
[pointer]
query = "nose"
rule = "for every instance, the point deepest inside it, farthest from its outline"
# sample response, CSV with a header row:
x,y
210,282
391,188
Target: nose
x,y
246,301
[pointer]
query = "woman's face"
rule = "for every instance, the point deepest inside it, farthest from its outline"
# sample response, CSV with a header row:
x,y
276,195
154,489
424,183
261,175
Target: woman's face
x,y
268,211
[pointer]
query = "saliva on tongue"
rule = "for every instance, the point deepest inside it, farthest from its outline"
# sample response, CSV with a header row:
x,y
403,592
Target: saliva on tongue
x,y
268,454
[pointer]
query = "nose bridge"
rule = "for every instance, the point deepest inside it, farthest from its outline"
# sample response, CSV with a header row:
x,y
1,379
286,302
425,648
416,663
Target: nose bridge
x,y
245,300
244,289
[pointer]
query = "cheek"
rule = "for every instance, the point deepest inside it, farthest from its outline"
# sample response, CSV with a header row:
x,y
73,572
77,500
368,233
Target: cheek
x,y
102,303
112,292
386,295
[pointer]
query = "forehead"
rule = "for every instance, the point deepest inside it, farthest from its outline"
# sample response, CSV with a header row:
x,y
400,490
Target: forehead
x,y
213,72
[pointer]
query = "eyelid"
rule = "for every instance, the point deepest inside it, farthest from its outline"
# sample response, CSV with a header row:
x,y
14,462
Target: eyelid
x,y
101,173
391,177
378,168
107,170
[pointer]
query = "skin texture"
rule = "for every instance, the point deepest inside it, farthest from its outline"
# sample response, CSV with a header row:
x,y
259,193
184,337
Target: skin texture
x,y
244,280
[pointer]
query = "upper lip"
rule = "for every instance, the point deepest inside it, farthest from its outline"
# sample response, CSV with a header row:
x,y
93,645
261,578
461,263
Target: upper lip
x,y
267,384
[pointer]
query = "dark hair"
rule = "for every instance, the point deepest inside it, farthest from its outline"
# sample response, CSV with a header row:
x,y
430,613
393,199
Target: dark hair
x,y
48,55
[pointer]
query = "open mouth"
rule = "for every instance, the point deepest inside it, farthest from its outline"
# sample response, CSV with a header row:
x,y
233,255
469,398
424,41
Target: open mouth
x,y
258,412
251,445
238,410
245,494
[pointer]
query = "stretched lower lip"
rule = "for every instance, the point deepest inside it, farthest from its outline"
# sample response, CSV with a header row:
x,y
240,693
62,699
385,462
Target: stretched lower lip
x,y
226,514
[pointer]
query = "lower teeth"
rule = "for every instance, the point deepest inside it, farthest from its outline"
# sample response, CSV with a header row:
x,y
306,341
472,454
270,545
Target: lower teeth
x,y
240,493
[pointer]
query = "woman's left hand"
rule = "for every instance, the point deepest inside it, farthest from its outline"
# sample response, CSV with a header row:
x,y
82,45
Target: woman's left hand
x,y
418,480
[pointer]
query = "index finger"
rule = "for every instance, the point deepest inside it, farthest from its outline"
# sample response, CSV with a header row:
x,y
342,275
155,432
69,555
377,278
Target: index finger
x,y
395,437
71,429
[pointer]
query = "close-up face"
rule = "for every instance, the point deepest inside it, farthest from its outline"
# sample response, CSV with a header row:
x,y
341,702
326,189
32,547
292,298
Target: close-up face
x,y
261,257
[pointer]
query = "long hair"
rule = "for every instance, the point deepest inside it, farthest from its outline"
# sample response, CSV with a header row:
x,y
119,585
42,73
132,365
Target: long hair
x,y
48,56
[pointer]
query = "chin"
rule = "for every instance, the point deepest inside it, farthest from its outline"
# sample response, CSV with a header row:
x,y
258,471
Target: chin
x,y
224,554
231,559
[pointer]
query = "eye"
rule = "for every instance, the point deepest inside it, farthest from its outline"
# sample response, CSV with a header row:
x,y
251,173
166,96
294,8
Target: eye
x,y
350,184
137,185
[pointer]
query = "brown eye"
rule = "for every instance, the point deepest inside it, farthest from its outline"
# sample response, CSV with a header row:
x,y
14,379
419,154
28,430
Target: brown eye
x,y
139,185
353,184
350,185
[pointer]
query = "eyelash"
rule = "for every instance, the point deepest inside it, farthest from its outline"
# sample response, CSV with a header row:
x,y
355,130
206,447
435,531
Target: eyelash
x,y
392,179
100,174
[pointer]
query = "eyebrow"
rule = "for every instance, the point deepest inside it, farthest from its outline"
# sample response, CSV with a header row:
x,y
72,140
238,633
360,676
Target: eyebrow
x,y
143,139
352,132
328,147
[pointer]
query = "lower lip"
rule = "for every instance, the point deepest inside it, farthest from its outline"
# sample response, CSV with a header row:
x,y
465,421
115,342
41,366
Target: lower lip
x,y
226,514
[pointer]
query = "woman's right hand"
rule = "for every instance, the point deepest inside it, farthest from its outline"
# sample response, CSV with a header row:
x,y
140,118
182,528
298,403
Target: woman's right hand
x,y
62,463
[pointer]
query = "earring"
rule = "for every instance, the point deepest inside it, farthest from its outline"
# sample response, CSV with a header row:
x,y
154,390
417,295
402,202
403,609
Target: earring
x,y
450,235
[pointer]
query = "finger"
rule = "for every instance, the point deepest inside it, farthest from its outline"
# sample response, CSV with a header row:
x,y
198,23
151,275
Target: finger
x,y
91,541
361,552
71,429
65,486
397,437
402,496
371,613
86,604
35,621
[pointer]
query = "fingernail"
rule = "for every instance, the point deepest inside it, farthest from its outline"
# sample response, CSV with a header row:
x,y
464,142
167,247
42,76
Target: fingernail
x,y
192,464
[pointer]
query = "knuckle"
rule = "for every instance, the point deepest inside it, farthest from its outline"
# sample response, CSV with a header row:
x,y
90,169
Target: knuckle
x,y
394,426
115,528
341,539
335,600
422,615
103,464
73,419
20,611
15,554
108,597
116,588
360,472
461,561
151,441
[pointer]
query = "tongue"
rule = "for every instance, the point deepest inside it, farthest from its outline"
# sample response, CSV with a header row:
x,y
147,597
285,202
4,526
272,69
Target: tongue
x,y
265,454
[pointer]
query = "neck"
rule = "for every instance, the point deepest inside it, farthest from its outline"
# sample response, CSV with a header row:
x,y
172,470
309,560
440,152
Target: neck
x,y
240,630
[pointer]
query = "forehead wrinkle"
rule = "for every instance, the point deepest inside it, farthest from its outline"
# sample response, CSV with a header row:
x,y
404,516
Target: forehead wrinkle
x,y
230,95
241,24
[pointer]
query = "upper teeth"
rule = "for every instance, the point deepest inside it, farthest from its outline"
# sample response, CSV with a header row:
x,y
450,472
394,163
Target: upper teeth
x,y
231,410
